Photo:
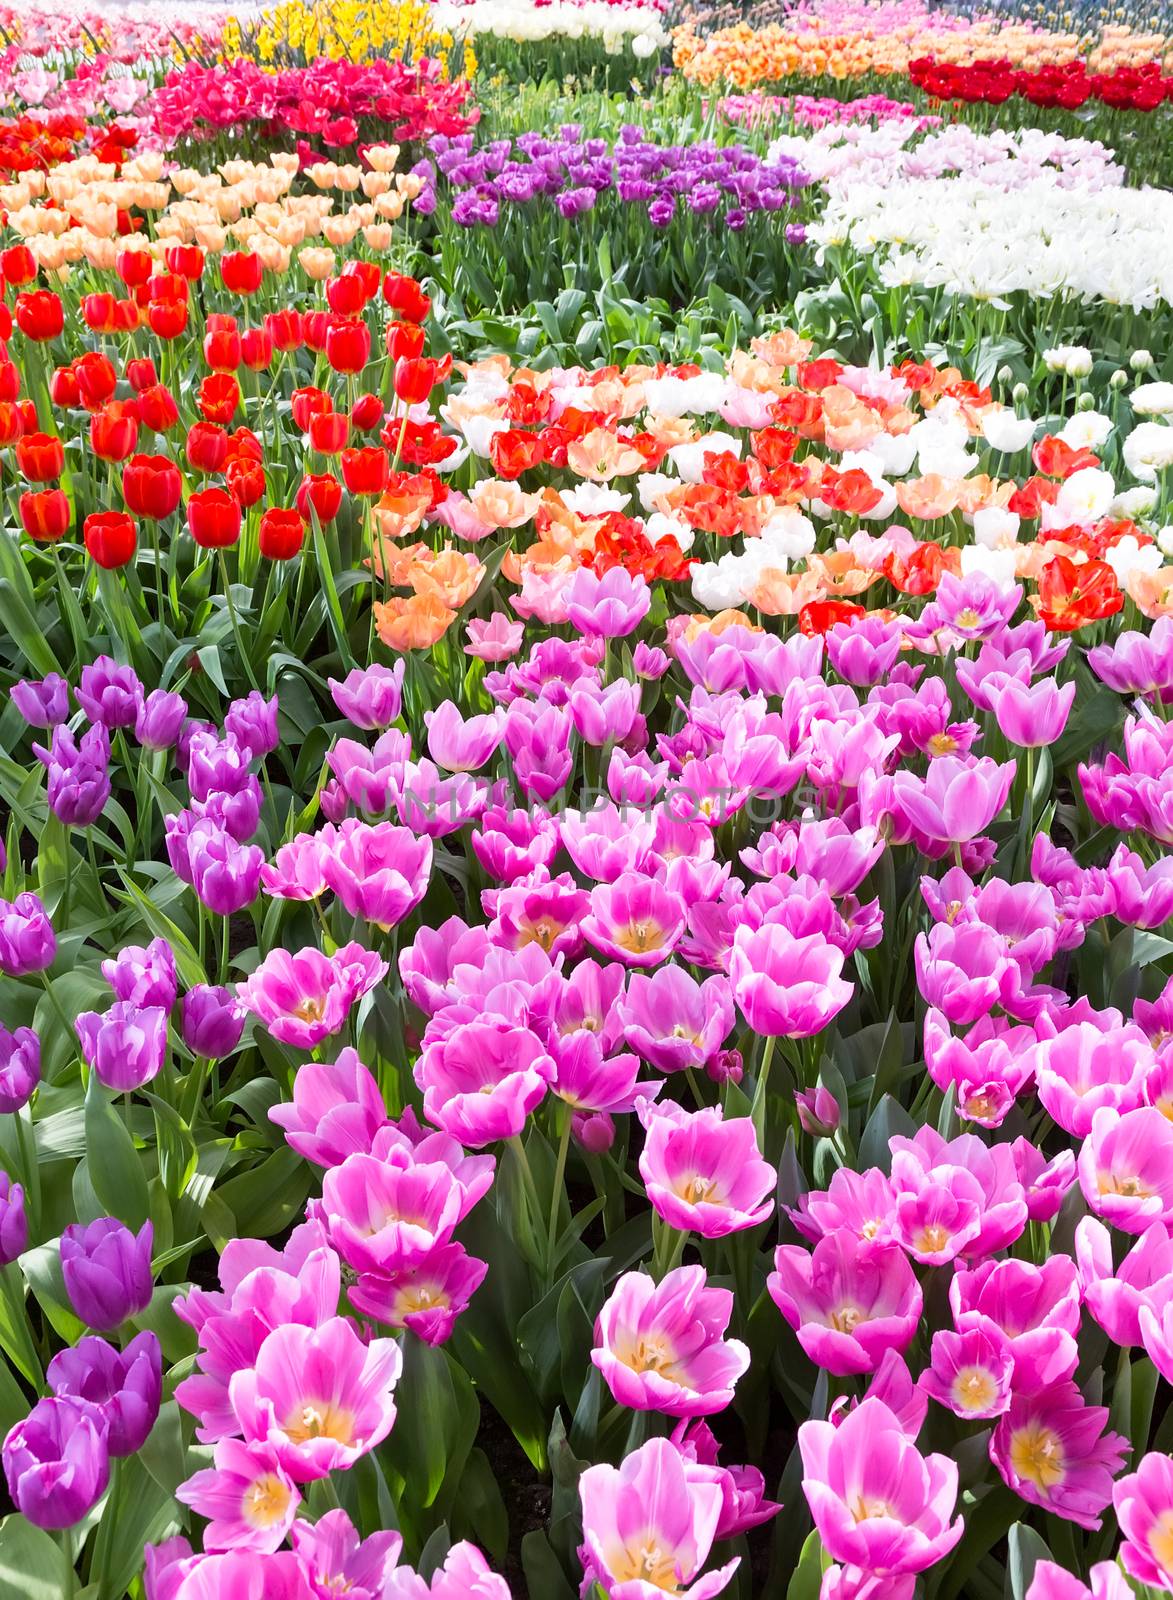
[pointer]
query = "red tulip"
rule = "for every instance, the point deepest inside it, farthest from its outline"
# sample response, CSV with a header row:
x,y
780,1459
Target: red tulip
x,y
133,267
44,514
328,432
185,260
280,534
18,265
9,381
284,328
222,349
167,318
244,442
96,379
40,457
39,315
245,479
307,403
366,412
213,517
322,492
110,538
346,296
11,423
151,486
164,286
114,430
404,340
157,408
369,273
219,397
141,374
256,348
348,346
315,326
241,271
365,471
63,388
405,297
100,312
207,447
415,379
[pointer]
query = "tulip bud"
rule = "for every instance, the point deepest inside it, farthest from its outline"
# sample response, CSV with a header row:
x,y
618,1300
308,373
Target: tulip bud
x,y
818,1111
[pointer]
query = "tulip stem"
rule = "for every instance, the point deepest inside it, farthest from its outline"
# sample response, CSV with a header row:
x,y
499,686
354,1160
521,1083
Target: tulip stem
x,y
58,1009
758,1110
234,620
563,1113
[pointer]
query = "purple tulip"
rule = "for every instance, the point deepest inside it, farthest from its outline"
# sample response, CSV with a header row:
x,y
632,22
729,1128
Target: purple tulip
x,y
224,874
110,694
1030,715
143,977
44,702
370,698
612,605
125,1386
57,1462
20,1068
957,800
213,1021
160,718
27,941
252,722
14,1226
107,1271
78,774
124,1046
217,766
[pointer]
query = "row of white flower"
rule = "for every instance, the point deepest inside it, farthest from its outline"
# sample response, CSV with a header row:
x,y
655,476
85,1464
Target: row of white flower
x,y
959,233
639,27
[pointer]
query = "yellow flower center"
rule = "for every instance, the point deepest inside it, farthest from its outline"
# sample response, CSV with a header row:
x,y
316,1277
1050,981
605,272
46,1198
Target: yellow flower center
x,y
265,1501
933,1238
649,1562
846,1319
311,1009
640,937
1131,1186
974,1389
321,1419
1036,1454
862,1508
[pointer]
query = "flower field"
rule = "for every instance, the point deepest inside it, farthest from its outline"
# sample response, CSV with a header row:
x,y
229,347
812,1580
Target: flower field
x,y
586,795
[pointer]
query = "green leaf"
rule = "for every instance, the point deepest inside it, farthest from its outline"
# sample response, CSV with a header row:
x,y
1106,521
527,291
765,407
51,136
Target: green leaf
x,y
807,1579
543,1573
270,1197
139,1512
114,1166
436,1425
1027,1549
32,1565
15,1337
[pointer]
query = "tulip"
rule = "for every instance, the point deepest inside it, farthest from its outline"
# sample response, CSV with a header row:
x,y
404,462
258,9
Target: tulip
x,y
40,457
213,518
249,1500
161,716
1051,1448
319,495
39,315
876,1501
126,1386
78,773
650,1523
110,538
27,941
304,997
1126,1168
365,470
661,1347
143,977
42,702
14,1227
96,379
110,694
45,514
252,722
151,486
241,271
849,1302
256,348
337,1110
426,1296
612,606
107,1271
57,1462
328,432
406,298
20,1068
280,1401
370,697
114,430
704,1172
1053,1582
785,985
348,346
483,1079
212,1021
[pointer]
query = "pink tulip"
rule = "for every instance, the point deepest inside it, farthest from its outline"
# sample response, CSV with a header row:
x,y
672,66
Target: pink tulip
x,y
483,1080
648,1526
382,1217
378,871
704,1173
849,1301
877,1503
1144,1510
1082,1068
320,1397
634,920
660,1347
337,1110
1115,1295
304,998
249,1498
673,1021
786,986
1126,1168
1052,1450
334,1560
970,1372
1036,1310
465,1575
494,640
426,1297
1053,1582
